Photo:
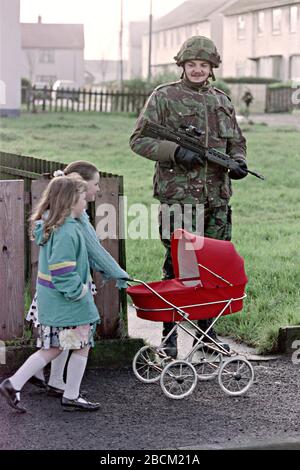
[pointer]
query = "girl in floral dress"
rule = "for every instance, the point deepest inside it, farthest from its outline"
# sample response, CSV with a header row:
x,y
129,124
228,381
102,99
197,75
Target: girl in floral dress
x,y
67,312
100,260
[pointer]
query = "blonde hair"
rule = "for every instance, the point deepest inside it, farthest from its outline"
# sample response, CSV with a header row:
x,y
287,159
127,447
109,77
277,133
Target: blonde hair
x,y
85,169
58,198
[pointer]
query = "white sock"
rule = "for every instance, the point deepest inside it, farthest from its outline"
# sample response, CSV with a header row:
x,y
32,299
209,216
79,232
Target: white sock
x,y
33,364
76,368
40,374
57,370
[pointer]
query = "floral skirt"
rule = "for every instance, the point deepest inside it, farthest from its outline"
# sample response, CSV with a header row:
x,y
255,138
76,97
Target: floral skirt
x,y
33,314
72,337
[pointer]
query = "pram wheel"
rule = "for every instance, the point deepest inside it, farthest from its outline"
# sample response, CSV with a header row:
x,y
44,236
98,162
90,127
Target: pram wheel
x,y
206,361
148,364
236,376
178,379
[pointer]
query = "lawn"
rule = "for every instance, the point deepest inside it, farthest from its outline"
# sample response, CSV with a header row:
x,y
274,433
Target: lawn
x,y
266,222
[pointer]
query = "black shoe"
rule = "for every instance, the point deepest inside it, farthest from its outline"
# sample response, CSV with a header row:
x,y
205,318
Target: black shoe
x,y
40,383
58,392
79,404
11,395
212,334
170,346
170,350
54,392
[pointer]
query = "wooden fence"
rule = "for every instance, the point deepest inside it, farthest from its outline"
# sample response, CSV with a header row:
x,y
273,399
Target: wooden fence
x,y
47,99
19,256
284,99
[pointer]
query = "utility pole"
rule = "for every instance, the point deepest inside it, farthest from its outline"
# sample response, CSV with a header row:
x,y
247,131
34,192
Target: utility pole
x,y
150,42
121,47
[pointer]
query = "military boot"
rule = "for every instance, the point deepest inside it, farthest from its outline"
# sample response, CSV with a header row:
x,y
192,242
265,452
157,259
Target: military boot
x,y
204,325
170,346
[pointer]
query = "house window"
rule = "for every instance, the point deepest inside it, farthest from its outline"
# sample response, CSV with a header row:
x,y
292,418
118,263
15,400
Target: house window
x,y
240,69
161,39
260,23
165,38
295,67
277,67
172,38
46,56
293,19
241,26
276,20
264,67
188,30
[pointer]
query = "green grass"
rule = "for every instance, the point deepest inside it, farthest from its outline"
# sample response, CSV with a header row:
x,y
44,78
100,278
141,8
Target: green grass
x,y
266,222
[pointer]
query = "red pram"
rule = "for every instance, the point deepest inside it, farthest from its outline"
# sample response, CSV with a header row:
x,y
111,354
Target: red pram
x,y
209,282
209,274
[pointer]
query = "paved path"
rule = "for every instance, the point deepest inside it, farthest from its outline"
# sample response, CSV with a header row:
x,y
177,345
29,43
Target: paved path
x,y
137,416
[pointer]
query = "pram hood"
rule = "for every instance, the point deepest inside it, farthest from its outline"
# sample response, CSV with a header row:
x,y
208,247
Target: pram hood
x,y
217,285
215,262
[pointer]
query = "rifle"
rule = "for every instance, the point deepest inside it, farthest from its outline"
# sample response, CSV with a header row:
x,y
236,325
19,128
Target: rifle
x,y
188,137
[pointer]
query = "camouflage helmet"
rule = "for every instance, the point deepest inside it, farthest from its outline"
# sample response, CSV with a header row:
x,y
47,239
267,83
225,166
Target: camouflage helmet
x,y
198,48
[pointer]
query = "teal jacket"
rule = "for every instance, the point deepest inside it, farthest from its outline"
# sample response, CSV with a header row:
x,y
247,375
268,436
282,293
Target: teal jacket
x,y
100,260
64,296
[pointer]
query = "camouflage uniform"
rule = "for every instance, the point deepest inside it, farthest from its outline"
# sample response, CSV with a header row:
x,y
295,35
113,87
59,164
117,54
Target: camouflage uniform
x,y
183,103
211,111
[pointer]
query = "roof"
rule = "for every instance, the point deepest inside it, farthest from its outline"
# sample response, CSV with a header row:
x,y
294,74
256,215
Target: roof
x,y
245,6
192,11
54,36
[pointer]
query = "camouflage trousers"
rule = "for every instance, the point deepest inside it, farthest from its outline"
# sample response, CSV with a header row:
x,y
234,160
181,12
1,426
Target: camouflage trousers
x,y
212,222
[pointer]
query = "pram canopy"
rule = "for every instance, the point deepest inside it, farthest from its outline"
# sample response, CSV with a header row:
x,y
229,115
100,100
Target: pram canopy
x,y
206,258
208,274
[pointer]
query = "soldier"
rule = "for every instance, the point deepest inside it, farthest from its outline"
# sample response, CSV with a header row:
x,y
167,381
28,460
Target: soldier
x,y
247,98
182,176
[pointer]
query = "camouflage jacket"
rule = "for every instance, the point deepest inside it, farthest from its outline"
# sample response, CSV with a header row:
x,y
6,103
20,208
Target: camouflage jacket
x,y
209,110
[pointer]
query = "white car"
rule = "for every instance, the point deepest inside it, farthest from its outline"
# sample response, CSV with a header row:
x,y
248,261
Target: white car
x,y
64,89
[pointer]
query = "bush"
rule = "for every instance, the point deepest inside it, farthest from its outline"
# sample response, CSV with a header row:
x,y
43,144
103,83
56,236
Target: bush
x,y
222,86
288,84
25,85
164,77
140,85
25,82
136,85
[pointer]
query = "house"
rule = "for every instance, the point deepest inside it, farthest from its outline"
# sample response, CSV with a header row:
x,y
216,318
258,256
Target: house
x,y
193,17
136,31
262,38
52,51
10,58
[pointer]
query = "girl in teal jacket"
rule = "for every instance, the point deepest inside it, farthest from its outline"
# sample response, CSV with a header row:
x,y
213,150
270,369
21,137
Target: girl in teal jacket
x,y
67,312
99,259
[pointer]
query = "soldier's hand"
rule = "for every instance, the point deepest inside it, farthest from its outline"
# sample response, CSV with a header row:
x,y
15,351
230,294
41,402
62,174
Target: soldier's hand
x,y
240,172
190,160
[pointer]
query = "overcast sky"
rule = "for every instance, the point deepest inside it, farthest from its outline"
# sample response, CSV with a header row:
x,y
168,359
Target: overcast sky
x,y
101,19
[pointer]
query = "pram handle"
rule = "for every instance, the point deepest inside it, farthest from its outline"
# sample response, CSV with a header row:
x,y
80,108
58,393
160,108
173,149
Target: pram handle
x,y
179,310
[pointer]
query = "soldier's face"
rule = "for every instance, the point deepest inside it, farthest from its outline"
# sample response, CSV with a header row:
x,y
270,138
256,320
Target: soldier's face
x,y
197,71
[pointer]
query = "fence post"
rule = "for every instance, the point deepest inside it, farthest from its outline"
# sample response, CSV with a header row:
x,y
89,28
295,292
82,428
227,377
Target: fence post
x,y
108,299
37,188
11,259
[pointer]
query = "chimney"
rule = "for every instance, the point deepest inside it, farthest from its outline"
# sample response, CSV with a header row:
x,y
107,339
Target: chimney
x,y
39,19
